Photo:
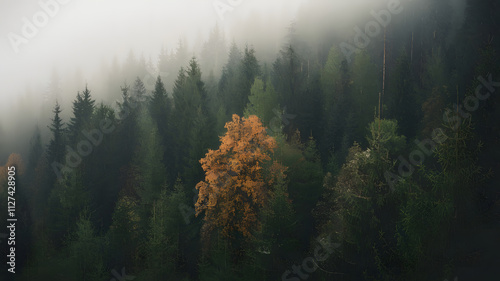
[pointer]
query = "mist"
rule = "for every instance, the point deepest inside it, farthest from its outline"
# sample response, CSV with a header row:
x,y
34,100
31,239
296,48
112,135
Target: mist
x,y
80,40
373,123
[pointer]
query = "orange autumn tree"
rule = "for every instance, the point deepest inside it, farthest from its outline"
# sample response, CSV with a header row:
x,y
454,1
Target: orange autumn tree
x,y
236,185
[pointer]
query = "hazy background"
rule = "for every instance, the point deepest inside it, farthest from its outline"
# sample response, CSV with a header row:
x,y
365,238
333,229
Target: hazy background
x,y
80,44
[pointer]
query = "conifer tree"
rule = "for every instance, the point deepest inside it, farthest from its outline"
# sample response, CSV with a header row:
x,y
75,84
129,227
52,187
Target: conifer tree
x,y
83,108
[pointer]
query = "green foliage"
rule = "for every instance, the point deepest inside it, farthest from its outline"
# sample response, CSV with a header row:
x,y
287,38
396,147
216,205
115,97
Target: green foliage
x,y
86,250
356,206
332,76
83,108
213,52
289,78
423,227
56,148
193,123
228,83
121,206
337,120
365,92
67,200
160,246
263,101
124,233
147,160
384,139
401,96
276,241
460,173
305,175
218,266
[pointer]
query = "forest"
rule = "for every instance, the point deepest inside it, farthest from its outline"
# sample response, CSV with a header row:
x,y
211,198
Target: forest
x,y
372,156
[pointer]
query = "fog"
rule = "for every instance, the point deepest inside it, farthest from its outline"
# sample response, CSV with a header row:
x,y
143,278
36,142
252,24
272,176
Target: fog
x,y
81,42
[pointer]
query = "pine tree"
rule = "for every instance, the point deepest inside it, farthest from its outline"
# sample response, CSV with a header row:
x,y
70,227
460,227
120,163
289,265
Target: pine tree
x,y
159,105
160,108
365,93
193,122
276,241
289,78
36,150
247,73
86,249
336,87
263,101
56,148
138,91
83,108
147,161
228,83
127,115
402,97
213,53
160,254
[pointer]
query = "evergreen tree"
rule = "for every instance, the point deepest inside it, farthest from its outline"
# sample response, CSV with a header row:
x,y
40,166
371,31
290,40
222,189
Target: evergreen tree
x,y
56,148
289,78
336,88
160,254
263,101
228,83
68,198
213,53
193,122
159,105
83,108
365,94
36,150
402,97
247,73
160,108
101,168
276,242
127,129
147,162
86,249
138,91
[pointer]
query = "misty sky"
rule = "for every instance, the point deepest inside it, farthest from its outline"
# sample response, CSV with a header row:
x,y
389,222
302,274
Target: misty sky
x,y
81,35
84,33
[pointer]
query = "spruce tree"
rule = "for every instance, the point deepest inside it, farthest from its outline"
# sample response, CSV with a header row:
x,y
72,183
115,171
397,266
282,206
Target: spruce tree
x,y
83,108
56,145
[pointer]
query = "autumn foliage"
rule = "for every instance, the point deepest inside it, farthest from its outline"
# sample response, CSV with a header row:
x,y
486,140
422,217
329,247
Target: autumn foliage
x,y
236,184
